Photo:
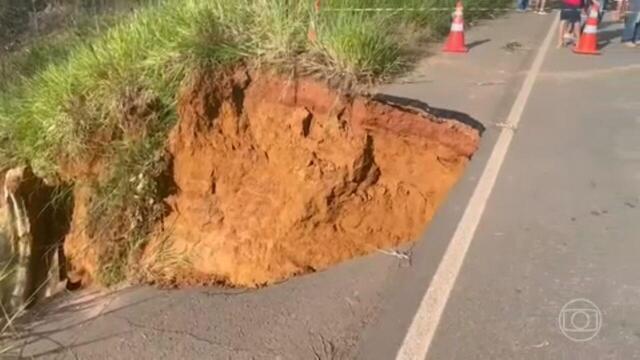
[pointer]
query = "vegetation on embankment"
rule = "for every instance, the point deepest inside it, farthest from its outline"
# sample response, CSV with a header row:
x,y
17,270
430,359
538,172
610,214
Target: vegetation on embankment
x,y
103,102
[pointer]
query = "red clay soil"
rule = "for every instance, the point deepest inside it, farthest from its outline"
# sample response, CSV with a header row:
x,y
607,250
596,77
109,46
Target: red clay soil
x,y
278,178
81,249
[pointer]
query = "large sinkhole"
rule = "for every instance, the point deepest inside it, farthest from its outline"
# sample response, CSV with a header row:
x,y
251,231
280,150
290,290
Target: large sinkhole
x,y
273,177
277,178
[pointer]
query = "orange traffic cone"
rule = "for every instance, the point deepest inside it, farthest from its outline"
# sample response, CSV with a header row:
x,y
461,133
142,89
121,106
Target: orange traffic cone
x,y
588,42
455,42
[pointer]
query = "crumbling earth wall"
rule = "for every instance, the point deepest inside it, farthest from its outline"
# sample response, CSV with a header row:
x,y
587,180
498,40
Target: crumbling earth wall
x,y
276,178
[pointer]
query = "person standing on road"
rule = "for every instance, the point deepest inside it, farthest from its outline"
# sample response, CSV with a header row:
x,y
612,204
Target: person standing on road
x,y
570,18
540,7
522,5
631,24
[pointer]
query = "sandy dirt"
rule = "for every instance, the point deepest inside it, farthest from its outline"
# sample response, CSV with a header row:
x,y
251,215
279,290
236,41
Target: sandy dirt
x,y
277,178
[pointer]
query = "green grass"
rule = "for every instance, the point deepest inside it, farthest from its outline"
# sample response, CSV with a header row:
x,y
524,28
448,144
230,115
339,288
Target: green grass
x,y
63,97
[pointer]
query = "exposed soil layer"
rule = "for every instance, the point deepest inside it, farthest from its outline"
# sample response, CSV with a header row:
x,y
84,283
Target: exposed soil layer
x,y
81,249
277,178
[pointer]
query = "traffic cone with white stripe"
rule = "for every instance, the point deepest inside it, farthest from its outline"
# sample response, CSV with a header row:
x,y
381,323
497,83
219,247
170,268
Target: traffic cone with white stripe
x,y
455,42
588,42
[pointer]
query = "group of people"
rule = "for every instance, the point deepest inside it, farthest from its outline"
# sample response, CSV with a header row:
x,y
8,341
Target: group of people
x,y
571,16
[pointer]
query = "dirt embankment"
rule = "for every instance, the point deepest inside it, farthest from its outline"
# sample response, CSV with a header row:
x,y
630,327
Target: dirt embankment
x,y
279,178
273,178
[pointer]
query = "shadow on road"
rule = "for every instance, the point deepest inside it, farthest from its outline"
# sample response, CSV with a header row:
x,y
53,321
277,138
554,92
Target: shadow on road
x,y
609,35
61,322
441,113
473,44
606,24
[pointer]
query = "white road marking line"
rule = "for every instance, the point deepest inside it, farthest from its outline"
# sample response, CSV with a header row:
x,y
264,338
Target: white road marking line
x,y
425,322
